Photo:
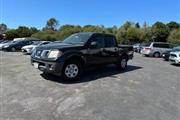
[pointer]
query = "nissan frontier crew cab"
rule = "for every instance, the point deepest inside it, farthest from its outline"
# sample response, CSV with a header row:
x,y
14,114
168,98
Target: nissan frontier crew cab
x,y
70,57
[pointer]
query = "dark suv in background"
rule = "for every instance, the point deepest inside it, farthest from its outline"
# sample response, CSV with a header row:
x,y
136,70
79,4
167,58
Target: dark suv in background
x,y
17,45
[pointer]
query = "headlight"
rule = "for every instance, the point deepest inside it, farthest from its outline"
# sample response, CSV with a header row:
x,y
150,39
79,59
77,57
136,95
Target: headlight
x,y
30,48
6,46
54,54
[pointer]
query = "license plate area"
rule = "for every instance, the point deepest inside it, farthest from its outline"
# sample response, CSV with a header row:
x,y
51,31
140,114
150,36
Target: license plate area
x,y
36,65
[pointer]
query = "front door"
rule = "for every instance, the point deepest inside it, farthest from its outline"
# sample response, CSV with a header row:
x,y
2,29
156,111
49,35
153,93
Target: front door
x,y
95,53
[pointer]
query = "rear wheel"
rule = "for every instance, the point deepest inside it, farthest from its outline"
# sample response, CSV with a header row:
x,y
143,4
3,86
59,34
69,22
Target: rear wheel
x,y
122,64
72,70
157,55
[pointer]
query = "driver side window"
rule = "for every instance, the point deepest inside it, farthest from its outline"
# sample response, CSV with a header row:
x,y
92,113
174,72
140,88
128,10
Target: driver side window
x,y
99,40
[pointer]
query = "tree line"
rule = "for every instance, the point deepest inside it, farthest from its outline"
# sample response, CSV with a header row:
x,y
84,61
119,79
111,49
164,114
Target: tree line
x,y
128,33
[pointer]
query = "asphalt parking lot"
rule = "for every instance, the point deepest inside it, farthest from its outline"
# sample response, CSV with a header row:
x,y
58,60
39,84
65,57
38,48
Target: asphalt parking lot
x,y
148,90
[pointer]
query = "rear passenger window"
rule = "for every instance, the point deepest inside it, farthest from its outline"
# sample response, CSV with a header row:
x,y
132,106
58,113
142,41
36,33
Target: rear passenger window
x,y
161,45
109,41
156,45
166,46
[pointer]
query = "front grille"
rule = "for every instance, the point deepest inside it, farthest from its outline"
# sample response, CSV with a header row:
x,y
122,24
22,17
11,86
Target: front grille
x,y
173,55
38,53
44,53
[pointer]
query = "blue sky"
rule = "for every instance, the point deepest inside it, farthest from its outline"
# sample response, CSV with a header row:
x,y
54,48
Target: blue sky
x,y
97,12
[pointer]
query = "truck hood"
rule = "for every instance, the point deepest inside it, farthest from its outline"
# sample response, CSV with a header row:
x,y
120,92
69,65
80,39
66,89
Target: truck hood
x,y
58,46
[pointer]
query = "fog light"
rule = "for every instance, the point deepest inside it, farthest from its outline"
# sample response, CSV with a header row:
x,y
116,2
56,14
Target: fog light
x,y
50,67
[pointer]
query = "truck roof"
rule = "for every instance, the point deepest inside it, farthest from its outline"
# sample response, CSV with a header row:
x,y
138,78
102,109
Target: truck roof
x,y
91,33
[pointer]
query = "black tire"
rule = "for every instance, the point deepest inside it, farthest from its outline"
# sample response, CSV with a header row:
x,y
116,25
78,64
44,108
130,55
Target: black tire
x,y
72,76
156,55
13,49
122,64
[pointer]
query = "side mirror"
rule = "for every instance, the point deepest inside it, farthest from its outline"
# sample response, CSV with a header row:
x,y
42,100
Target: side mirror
x,y
93,44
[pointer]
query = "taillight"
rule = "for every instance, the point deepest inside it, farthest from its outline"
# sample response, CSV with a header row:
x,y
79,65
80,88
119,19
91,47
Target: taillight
x,y
147,48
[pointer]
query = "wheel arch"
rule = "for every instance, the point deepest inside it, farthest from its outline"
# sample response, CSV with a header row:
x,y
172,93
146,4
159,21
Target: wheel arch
x,y
75,57
156,52
125,55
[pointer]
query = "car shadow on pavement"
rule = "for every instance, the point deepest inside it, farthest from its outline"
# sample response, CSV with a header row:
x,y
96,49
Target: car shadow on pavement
x,y
92,74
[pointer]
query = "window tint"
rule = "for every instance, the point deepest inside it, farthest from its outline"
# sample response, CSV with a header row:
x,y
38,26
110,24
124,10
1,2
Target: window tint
x,y
146,44
156,45
99,40
109,41
166,46
161,45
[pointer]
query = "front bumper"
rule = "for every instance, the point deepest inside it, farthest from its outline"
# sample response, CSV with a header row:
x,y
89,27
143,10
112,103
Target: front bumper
x,y
6,49
26,51
54,68
165,56
174,60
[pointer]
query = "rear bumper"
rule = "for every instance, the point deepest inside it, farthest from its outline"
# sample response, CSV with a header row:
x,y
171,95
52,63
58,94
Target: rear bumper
x,y
54,68
146,52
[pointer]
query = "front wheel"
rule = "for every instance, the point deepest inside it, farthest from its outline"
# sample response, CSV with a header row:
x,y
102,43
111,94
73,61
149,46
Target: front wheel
x,y
122,64
72,70
13,49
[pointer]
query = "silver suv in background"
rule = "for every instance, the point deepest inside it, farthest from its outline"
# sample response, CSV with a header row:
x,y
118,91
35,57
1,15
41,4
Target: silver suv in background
x,y
155,49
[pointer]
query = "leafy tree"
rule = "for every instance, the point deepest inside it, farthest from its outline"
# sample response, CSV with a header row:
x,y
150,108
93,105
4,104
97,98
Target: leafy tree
x,y
3,28
127,25
121,36
134,35
45,35
173,25
174,37
92,28
137,25
23,31
67,30
51,24
33,30
146,35
11,34
160,32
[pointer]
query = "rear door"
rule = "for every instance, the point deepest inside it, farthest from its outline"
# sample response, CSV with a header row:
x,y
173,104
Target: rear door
x,y
161,47
110,51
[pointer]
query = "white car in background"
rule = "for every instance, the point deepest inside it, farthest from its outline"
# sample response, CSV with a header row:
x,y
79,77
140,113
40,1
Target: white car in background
x,y
175,57
29,48
155,49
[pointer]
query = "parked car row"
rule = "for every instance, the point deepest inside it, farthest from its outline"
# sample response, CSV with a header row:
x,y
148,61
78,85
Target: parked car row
x,y
70,57
26,46
159,49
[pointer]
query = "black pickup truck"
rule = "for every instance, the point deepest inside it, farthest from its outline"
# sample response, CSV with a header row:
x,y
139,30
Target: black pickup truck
x,y
70,57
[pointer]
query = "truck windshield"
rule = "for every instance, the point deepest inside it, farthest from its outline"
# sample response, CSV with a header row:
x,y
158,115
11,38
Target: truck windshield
x,y
77,38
